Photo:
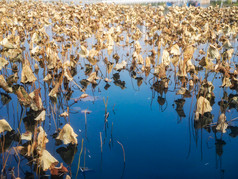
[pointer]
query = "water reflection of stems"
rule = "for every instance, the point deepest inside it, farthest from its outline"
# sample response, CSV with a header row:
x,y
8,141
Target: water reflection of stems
x,y
79,158
105,104
123,151
101,140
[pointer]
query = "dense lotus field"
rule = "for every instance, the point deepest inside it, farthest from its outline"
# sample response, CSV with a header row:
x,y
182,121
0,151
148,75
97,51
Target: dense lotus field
x,y
55,56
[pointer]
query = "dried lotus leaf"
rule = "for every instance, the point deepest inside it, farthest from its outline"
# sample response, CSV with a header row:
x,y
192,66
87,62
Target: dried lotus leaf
x,y
203,105
27,75
222,124
4,126
23,97
36,105
47,78
4,85
47,160
147,62
214,52
109,67
175,50
3,63
188,53
165,58
84,52
226,82
41,139
120,66
26,136
67,135
64,114
41,116
5,43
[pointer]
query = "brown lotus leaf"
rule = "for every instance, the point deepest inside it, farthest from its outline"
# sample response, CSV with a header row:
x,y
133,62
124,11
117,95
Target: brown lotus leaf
x,y
203,105
165,58
58,171
47,78
13,54
160,71
4,85
188,53
68,75
181,91
109,67
26,136
3,63
27,76
37,102
35,50
226,82
182,72
64,114
214,52
147,62
190,66
84,52
207,63
67,135
137,47
41,116
107,80
54,91
120,66
110,42
175,50
4,126
41,139
46,160
23,97
83,96
221,123
92,78
175,60
5,43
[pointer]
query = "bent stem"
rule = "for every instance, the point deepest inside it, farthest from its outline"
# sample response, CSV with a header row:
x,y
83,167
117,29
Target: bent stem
x,y
123,151
79,158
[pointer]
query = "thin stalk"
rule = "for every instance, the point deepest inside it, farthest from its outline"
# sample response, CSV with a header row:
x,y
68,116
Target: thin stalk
x,y
79,158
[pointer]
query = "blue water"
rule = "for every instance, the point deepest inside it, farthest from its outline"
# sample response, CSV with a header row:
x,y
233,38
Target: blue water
x,y
157,142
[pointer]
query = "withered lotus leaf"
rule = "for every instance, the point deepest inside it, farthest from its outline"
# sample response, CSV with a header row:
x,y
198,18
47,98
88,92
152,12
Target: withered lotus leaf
x,y
222,124
4,126
4,85
47,160
67,135
165,58
120,66
41,139
92,78
27,75
41,116
5,43
23,97
214,52
188,53
3,63
64,114
26,136
175,50
203,105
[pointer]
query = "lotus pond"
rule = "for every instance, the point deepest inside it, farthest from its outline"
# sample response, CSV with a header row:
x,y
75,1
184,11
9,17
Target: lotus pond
x,y
118,91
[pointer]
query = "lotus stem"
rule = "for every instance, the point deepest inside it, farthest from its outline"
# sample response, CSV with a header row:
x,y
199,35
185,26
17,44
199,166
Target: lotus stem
x,y
123,151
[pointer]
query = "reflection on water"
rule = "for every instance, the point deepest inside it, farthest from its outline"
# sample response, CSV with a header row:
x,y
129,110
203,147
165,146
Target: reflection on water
x,y
138,100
